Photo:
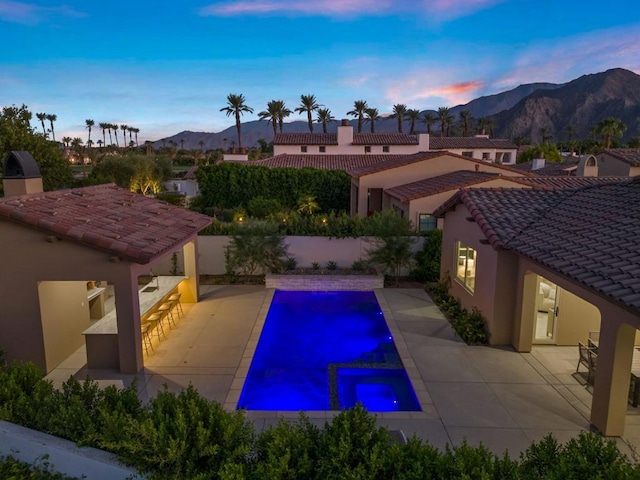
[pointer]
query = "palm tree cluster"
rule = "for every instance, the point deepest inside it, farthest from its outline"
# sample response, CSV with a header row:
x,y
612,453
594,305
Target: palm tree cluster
x,y
51,118
112,127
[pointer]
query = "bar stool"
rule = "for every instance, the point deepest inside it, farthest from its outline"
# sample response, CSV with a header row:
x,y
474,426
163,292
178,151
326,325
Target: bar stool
x,y
165,310
146,339
155,320
175,300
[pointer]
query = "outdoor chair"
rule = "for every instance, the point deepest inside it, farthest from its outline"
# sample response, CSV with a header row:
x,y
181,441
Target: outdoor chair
x,y
155,320
165,311
146,339
175,301
583,358
593,364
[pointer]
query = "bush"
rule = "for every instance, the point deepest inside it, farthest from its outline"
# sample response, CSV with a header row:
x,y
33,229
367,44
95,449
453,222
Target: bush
x,y
427,260
262,208
10,468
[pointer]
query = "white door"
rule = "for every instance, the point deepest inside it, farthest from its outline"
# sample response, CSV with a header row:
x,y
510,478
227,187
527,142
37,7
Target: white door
x,y
547,311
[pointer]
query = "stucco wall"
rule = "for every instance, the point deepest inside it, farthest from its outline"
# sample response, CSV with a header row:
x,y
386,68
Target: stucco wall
x,y
576,318
306,250
609,166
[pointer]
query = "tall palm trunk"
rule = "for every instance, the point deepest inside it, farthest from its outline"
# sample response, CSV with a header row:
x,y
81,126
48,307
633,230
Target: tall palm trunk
x,y
238,128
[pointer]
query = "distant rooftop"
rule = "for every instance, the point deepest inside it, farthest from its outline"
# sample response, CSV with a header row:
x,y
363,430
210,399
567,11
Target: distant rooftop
x,y
444,143
630,156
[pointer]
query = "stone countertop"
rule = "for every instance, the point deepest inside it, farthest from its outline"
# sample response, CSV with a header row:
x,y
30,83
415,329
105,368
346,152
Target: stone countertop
x,y
94,292
108,324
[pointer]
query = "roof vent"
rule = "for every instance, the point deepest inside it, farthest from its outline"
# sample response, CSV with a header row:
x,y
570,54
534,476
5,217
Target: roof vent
x,y
21,174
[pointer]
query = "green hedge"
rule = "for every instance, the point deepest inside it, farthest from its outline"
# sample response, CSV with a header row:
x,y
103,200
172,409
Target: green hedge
x,y
185,436
12,469
229,185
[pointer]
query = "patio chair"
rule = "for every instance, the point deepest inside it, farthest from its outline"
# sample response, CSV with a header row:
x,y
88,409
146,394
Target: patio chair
x,y
593,345
155,321
583,356
175,303
593,364
165,311
146,338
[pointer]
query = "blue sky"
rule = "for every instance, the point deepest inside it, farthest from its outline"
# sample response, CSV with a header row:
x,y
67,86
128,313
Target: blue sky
x,y
164,66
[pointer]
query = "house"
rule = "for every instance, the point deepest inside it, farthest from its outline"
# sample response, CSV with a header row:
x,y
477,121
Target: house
x,y
619,162
64,249
187,185
571,166
548,266
480,147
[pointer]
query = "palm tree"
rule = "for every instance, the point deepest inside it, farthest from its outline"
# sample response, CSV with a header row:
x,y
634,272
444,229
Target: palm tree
x,y
114,126
359,109
109,127
443,115
103,126
66,141
399,111
182,144
90,123
100,143
201,143
124,129
149,145
324,117
42,117
465,118
610,127
274,114
372,116
428,120
236,106
545,135
52,117
309,105
136,131
414,116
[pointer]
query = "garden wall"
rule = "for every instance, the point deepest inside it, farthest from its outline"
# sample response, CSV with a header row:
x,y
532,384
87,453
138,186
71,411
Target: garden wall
x,y
306,250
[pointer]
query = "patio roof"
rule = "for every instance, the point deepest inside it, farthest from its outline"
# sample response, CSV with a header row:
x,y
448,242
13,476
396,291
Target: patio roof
x,y
441,183
108,218
590,234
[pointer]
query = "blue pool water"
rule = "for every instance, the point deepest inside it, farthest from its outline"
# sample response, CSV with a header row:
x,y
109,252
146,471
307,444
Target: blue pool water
x,y
326,351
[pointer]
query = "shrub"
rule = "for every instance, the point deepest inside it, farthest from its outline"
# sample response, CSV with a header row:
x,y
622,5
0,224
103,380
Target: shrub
x,y
10,468
472,327
359,265
331,265
427,260
291,263
315,266
262,208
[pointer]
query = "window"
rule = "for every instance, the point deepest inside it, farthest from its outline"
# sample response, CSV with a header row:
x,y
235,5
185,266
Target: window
x,y
385,149
303,149
486,156
322,148
427,222
466,265
467,154
367,149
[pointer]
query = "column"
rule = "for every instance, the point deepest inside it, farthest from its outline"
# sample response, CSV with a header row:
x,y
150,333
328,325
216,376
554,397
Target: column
x,y
128,320
611,388
190,294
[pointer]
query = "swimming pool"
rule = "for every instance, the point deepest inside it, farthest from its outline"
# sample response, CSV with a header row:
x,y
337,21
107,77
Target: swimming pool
x,y
326,351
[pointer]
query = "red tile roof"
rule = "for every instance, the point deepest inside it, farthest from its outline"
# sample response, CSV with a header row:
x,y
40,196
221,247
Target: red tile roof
x,y
384,139
439,184
305,139
444,143
107,217
327,162
630,156
590,235
570,182
550,169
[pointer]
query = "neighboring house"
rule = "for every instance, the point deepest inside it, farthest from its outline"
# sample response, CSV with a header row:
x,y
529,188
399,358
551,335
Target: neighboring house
x,y
571,166
480,147
619,162
187,185
549,266
345,142
57,244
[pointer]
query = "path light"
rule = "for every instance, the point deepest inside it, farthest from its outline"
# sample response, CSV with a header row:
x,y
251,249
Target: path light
x,y
324,220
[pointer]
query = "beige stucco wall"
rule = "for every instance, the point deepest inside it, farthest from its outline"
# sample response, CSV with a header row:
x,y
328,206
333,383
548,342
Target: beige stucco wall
x,y
420,170
610,166
576,318
505,156
64,310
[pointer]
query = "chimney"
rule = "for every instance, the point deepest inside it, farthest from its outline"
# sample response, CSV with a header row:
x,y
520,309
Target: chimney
x,y
538,163
345,133
21,174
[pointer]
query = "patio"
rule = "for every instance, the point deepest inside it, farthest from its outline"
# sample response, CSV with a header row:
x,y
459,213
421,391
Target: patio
x,y
496,396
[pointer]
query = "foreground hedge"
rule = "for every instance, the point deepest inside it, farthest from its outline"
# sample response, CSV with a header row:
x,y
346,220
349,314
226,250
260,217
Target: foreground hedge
x,y
185,436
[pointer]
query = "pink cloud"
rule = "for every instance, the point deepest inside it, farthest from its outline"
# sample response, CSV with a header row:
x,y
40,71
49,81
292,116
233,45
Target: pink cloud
x,y
298,7
26,13
440,91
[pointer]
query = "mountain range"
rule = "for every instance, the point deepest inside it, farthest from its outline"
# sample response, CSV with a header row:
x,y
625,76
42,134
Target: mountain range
x,y
520,112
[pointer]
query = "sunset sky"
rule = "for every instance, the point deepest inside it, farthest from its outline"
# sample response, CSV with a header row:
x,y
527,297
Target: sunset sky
x,y
165,66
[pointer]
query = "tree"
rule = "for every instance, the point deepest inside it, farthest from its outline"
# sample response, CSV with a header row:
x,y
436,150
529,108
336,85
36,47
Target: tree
x,y
16,133
545,135
115,134
465,118
236,106
136,131
610,127
89,123
42,117
359,109
66,141
544,150
124,129
256,246
414,116
324,117
275,113
429,119
372,116
307,205
399,111
308,105
104,126
391,247
52,117
443,116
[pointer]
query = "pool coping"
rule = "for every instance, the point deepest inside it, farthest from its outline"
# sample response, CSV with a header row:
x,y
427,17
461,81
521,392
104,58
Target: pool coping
x,y
420,389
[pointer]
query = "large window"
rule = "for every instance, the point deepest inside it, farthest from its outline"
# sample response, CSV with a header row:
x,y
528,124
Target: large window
x,y
427,222
466,265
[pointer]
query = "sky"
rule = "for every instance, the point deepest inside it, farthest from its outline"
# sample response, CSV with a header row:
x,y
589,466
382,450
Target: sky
x,y
166,66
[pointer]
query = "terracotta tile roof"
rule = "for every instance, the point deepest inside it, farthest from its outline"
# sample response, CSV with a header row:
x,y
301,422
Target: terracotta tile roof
x,y
630,156
395,161
107,217
444,143
441,183
327,162
191,173
384,139
590,235
570,182
550,169
306,139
